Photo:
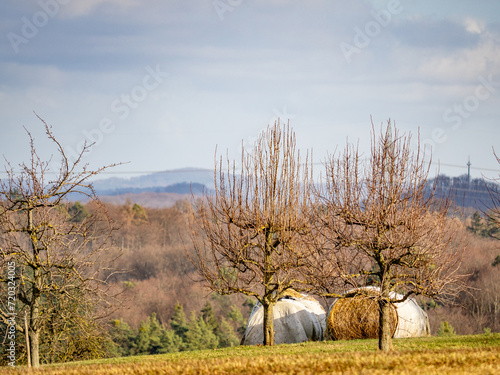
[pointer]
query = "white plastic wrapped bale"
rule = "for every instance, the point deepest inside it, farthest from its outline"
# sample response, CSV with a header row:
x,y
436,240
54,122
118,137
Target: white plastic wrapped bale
x,y
412,320
296,319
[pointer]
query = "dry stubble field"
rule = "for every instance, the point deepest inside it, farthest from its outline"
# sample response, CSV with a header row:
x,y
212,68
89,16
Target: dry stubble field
x,y
475,354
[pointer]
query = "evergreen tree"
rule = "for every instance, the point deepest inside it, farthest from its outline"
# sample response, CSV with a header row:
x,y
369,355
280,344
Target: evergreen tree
x,y
491,228
155,334
226,336
476,225
208,316
170,342
178,322
124,339
143,338
236,317
199,335
481,226
149,337
78,212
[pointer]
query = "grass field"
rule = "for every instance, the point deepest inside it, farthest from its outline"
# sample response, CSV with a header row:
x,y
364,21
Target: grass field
x,y
475,354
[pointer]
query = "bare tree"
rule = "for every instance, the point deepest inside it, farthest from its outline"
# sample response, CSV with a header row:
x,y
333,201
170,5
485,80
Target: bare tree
x,y
249,234
59,277
379,224
493,289
493,215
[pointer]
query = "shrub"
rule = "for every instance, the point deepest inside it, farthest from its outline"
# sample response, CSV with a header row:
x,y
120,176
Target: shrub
x,y
446,329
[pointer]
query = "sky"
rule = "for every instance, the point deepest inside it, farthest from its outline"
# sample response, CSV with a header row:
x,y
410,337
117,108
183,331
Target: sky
x,y
162,85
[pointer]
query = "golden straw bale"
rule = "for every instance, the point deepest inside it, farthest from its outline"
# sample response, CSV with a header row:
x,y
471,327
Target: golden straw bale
x,y
356,317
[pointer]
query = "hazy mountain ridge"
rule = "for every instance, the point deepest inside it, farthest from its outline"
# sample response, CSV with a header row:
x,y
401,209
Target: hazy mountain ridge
x,y
155,190
158,179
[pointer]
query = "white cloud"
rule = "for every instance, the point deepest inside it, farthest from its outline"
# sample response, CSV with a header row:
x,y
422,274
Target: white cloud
x,y
474,26
464,65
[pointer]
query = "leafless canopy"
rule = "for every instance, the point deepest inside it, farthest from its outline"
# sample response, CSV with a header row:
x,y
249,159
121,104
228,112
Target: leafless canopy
x,y
494,214
379,224
249,234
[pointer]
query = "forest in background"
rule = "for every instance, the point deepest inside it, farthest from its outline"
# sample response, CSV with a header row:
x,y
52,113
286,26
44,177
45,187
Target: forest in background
x,y
165,308
159,281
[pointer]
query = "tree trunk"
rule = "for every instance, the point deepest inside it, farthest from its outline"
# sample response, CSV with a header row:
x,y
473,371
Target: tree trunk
x,y
34,349
385,331
495,312
268,302
26,336
34,332
268,325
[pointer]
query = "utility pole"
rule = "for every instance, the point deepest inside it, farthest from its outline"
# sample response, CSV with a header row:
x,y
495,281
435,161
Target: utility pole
x,y
468,172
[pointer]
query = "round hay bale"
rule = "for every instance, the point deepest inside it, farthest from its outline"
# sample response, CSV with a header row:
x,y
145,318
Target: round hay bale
x,y
357,317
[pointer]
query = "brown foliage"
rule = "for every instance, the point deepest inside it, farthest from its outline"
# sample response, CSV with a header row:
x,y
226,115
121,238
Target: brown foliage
x,y
156,275
479,306
171,278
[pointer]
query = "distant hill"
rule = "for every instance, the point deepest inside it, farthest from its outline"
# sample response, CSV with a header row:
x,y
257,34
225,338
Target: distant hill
x,y
161,189
159,179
